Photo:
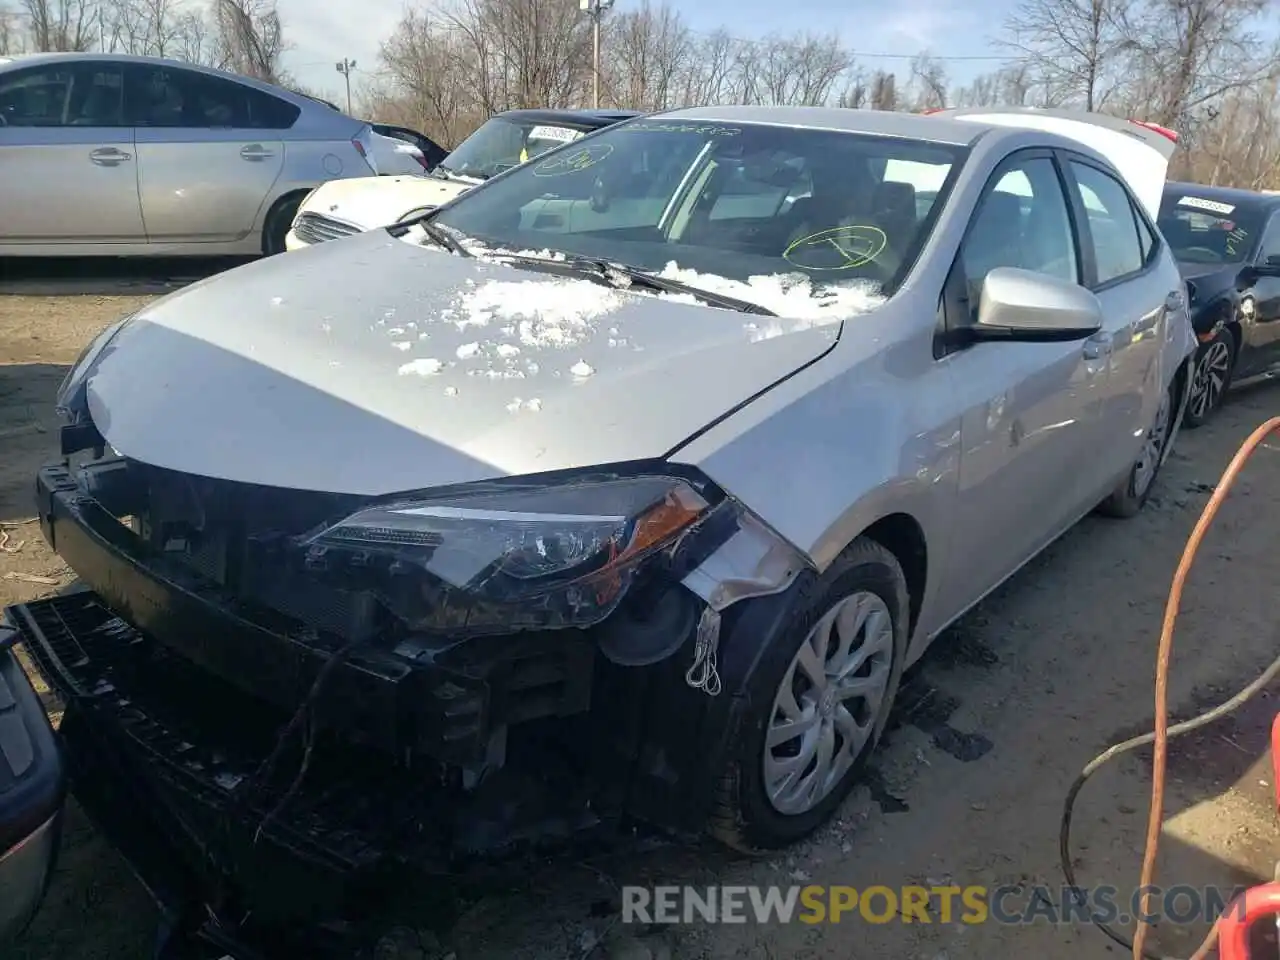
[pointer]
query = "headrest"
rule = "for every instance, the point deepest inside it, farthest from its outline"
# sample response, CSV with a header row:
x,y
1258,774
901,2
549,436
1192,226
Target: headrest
x,y
1002,207
897,197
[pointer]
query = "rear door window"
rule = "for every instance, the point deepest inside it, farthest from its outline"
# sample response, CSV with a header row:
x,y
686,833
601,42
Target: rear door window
x,y
171,97
1113,223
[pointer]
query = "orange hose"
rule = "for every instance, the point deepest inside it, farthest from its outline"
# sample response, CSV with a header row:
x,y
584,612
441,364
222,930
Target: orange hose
x,y
1161,746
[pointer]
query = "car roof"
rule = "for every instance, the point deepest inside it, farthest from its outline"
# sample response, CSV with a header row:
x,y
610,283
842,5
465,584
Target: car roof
x,y
883,122
1236,196
591,119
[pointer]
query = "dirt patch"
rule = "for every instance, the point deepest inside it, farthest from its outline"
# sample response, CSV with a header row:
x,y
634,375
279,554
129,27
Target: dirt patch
x,y
992,728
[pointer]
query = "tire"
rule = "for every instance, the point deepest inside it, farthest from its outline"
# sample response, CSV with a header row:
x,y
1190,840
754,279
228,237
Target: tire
x,y
865,584
279,220
1131,495
1215,363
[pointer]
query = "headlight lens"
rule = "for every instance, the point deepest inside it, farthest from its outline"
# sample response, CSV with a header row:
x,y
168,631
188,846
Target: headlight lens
x,y
551,556
70,398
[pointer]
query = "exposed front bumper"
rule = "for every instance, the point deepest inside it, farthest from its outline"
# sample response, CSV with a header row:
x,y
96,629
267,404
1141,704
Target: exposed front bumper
x,y
442,702
32,791
176,693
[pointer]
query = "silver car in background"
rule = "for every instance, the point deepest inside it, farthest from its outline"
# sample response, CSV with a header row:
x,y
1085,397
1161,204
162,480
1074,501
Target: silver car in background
x,y
120,156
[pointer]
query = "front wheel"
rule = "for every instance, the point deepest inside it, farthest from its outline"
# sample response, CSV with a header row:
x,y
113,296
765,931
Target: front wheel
x,y
1131,496
1213,368
819,701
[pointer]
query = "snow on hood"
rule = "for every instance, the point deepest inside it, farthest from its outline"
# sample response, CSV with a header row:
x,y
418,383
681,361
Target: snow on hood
x,y
374,366
372,202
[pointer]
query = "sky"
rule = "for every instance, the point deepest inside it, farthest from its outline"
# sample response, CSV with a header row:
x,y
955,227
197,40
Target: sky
x,y
885,34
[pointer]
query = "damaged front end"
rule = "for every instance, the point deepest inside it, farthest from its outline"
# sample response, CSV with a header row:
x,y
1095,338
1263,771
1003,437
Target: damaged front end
x,y
284,706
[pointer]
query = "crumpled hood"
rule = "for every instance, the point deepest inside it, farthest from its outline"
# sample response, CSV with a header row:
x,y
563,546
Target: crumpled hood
x,y
370,202
375,365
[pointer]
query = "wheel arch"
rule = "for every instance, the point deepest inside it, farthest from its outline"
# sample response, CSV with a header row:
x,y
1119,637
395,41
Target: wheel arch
x,y
280,202
903,536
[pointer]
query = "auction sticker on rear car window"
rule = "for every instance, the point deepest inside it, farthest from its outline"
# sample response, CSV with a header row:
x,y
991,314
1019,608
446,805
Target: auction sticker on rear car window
x,y
1213,206
559,134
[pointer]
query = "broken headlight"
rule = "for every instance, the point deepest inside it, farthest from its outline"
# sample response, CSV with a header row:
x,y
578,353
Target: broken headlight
x,y
562,555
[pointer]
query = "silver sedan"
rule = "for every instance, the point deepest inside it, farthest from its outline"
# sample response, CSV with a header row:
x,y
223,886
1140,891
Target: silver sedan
x,y
119,156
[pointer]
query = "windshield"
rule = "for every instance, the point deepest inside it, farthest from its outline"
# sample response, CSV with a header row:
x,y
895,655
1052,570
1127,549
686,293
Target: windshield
x,y
1200,230
501,143
734,200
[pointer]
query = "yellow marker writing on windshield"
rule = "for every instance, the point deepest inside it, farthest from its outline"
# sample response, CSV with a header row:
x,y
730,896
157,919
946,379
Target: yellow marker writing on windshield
x,y
859,245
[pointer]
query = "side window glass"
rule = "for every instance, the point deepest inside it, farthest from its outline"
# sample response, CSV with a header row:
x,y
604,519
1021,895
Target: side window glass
x,y
97,96
1022,222
1270,246
74,95
167,97
270,113
1146,238
36,98
1117,248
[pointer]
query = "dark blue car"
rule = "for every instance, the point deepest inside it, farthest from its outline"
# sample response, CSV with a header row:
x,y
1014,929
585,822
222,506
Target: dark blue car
x,y
1227,244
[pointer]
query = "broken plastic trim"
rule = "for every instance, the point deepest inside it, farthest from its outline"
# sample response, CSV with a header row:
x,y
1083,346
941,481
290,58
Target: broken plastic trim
x,y
754,562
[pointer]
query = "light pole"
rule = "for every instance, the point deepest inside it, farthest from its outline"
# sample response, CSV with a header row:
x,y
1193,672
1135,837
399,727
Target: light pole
x,y
595,10
345,67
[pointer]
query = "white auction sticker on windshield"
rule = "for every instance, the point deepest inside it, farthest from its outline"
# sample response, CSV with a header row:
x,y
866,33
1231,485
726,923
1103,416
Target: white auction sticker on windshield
x,y
1213,206
559,134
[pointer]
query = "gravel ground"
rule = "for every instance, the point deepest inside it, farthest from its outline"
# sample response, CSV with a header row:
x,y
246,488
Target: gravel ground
x,y
992,728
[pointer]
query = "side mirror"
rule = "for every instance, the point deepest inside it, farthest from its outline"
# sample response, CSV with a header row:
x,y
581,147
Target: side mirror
x,y
1268,267
1023,306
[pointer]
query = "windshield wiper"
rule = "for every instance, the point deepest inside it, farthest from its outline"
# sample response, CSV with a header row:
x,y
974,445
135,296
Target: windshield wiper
x,y
443,238
621,276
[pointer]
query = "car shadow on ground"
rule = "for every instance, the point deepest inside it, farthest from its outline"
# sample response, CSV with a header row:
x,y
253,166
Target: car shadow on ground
x,y
106,276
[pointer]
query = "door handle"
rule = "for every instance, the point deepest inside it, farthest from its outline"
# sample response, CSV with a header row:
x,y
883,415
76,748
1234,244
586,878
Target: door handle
x,y
256,152
1097,346
109,156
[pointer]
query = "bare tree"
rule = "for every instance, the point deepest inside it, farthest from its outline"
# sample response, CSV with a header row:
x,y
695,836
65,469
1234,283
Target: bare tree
x,y
12,34
62,25
1074,46
650,53
928,83
524,53
249,38
426,82
803,70
1190,53
884,91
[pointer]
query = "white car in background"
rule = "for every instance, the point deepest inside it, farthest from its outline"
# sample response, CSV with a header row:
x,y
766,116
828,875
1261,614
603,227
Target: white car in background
x,y
503,141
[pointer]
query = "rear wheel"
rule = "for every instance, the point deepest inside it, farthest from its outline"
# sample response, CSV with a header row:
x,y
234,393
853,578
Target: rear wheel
x,y
1132,494
279,221
1215,363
